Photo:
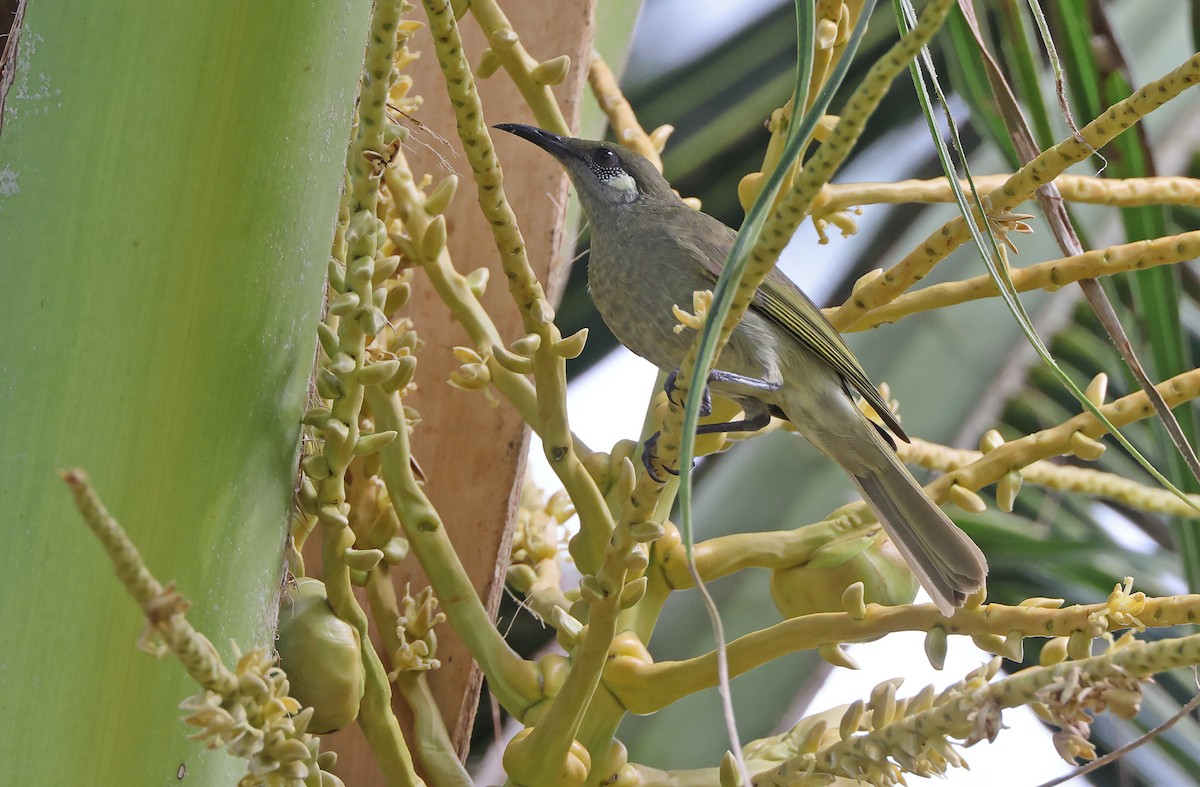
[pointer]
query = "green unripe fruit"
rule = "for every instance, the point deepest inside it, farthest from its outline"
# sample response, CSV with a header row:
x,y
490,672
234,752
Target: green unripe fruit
x,y
322,656
818,585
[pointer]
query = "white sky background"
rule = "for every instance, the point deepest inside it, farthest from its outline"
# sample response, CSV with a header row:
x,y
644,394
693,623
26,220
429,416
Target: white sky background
x,y
603,411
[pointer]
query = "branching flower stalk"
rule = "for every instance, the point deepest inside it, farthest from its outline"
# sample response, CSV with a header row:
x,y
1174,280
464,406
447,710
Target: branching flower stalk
x,y
1085,189
1049,276
1049,165
548,350
534,79
356,316
1005,464
910,737
642,685
246,710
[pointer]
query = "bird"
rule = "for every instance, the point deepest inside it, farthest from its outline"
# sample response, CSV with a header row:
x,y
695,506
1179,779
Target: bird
x,y
651,251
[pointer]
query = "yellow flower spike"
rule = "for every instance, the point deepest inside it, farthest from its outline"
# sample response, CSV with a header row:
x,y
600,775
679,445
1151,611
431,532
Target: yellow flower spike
x,y
936,645
633,591
489,64
527,345
1079,645
395,550
853,600
553,71
406,367
883,703
359,270
344,303
404,245
433,239
328,339
626,478
990,441
316,467
541,311
852,720
397,296
728,774
748,188
1014,646
966,499
316,417
921,701
1122,608
363,559
1007,489
865,280
645,532
570,347
833,653
660,135
336,275
333,515
328,385
342,364
372,321
370,443
1097,389
439,199
827,34
517,364
1085,447
384,268
844,221
378,372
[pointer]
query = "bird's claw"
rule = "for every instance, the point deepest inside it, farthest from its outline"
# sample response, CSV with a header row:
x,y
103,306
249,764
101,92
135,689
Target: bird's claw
x,y
650,454
669,389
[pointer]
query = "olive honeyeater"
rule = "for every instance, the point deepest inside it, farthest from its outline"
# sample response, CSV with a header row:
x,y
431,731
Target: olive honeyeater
x,y
650,251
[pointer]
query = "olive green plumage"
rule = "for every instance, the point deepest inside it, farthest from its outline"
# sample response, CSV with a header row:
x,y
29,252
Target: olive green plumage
x,y
650,251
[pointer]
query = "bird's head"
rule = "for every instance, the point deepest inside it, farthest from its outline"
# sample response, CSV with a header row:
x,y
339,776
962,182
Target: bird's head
x,y
605,175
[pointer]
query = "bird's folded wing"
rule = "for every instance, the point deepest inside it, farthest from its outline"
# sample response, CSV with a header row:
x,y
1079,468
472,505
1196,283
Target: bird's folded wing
x,y
786,304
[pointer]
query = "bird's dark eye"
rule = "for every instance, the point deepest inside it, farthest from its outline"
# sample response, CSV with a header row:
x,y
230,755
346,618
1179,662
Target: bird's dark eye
x,y
605,157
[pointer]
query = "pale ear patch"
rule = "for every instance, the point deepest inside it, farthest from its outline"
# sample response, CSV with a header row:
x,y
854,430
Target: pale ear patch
x,y
621,181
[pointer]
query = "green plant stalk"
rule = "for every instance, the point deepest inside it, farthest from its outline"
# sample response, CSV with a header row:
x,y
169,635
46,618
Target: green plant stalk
x,y
1156,293
375,716
169,194
431,740
549,363
434,747
645,687
514,681
520,65
1064,232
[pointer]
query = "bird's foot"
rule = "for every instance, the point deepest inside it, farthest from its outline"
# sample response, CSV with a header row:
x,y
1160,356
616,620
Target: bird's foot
x,y
650,459
669,388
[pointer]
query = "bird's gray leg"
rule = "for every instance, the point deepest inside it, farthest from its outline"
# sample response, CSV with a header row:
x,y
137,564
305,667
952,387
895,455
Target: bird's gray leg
x,y
751,383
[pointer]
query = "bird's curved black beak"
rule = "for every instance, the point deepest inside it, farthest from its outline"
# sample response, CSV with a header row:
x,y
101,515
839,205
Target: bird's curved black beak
x,y
555,145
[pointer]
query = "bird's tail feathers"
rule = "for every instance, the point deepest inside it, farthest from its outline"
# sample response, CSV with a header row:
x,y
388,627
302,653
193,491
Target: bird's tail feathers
x,y
945,560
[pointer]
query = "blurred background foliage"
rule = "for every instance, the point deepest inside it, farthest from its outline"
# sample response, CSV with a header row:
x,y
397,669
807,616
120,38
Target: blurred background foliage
x,y
956,372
